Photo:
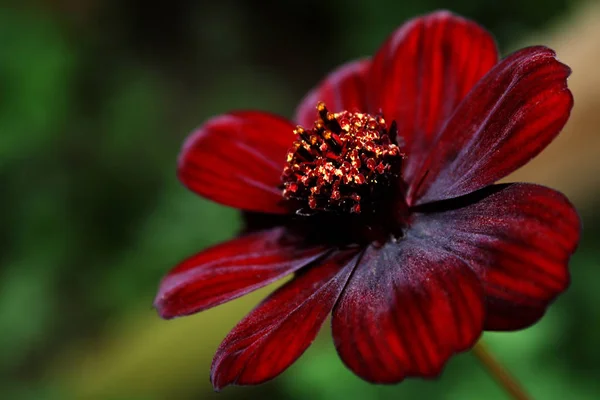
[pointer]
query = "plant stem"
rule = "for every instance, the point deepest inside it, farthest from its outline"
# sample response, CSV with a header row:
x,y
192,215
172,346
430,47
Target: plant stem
x,y
499,373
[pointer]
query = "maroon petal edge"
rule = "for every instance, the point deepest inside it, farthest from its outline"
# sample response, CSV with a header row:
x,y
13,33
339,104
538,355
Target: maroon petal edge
x,y
423,71
230,270
407,308
237,159
511,115
519,238
343,89
281,328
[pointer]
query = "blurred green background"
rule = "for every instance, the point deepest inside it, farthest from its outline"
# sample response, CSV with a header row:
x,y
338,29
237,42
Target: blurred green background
x,y
95,99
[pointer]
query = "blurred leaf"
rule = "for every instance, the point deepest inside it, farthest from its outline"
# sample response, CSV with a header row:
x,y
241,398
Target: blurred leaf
x,y
146,357
35,70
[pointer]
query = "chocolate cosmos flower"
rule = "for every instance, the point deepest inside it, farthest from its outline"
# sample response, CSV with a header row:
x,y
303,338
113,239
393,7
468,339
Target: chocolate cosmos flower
x,y
382,204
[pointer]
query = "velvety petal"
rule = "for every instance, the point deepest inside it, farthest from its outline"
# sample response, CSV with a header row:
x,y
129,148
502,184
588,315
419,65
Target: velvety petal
x,y
237,159
519,237
407,308
509,117
423,71
282,327
343,89
231,269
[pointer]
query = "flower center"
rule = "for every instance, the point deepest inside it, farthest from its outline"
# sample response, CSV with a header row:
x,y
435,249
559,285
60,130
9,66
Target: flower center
x,y
347,162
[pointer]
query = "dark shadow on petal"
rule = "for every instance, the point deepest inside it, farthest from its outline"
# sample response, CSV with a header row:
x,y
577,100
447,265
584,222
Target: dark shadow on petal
x,y
257,221
461,201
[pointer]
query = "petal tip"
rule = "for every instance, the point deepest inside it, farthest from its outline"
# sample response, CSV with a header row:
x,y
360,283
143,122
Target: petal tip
x,y
443,14
160,305
220,377
217,385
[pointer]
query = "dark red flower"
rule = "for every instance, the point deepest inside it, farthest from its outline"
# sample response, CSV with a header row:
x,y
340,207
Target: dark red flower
x,y
383,206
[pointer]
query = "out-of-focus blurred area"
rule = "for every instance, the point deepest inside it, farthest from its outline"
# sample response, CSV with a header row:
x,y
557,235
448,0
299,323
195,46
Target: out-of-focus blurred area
x,y
96,97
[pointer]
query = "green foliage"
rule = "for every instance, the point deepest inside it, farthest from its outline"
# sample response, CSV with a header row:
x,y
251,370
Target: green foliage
x,y
35,68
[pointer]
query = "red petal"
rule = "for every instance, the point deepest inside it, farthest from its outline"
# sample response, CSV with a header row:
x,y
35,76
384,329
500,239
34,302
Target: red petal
x,y
519,238
230,270
423,71
407,308
343,89
237,160
509,117
282,327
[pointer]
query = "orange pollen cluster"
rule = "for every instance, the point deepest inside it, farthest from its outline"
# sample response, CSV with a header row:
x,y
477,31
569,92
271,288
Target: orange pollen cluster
x,y
344,163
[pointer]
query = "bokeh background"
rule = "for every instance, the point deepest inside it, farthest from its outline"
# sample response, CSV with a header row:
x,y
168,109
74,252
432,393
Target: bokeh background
x,y
96,97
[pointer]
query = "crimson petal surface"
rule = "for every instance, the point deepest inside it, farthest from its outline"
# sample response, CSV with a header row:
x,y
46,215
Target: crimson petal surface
x,y
282,327
236,159
231,269
519,238
407,308
343,89
511,115
423,71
